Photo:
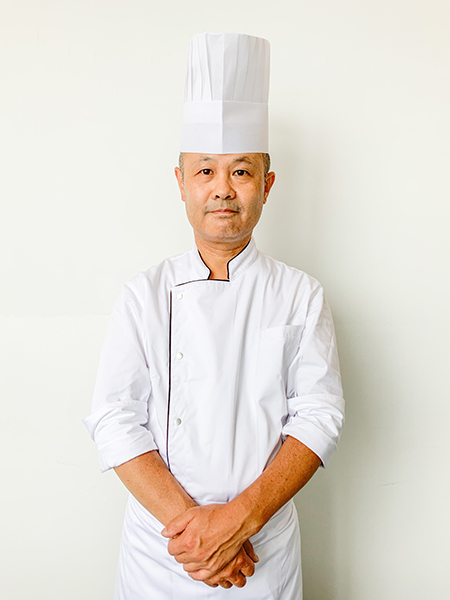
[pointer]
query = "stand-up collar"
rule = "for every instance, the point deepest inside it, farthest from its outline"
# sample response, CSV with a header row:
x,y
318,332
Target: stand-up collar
x,y
236,265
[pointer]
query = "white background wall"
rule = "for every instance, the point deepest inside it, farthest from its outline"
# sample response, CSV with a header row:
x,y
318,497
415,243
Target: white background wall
x,y
90,109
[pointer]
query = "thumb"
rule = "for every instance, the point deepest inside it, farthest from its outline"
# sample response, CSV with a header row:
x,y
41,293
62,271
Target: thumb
x,y
177,525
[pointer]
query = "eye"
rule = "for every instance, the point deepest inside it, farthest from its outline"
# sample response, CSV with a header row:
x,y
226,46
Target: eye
x,y
206,171
241,172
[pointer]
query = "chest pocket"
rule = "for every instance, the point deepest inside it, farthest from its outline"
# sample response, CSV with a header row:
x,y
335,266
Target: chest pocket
x,y
282,331
277,349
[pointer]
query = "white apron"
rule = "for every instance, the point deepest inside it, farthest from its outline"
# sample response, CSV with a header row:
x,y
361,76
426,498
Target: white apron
x,y
148,572
215,375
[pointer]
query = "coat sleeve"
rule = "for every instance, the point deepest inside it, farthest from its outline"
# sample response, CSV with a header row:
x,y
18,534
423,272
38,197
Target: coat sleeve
x,y
314,390
118,423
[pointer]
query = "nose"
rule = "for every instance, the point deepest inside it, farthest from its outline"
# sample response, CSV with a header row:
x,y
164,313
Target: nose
x,y
223,189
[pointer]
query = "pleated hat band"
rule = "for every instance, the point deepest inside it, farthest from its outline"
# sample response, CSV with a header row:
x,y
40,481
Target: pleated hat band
x,y
226,94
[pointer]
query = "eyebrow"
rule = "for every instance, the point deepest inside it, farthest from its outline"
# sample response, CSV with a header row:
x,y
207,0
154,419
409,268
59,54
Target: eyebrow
x,y
204,159
244,159
239,159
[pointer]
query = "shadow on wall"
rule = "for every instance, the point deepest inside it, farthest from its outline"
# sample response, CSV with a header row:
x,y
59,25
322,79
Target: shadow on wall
x,y
335,517
293,229
322,506
316,509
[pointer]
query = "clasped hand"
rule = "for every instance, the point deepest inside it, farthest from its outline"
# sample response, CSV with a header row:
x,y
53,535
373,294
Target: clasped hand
x,y
211,544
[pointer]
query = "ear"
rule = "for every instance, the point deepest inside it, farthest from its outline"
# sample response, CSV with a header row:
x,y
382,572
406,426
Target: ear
x,y
180,181
270,180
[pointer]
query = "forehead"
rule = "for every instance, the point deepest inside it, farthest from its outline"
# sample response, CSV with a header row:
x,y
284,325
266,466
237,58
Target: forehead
x,y
193,160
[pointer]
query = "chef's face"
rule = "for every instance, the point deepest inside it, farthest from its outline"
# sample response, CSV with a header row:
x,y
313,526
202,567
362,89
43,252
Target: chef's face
x,y
224,194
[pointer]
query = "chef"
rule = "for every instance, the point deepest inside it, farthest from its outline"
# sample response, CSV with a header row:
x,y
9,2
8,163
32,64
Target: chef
x,y
218,394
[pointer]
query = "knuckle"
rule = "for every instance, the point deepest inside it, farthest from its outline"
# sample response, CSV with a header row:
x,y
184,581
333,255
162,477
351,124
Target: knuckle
x,y
227,574
196,557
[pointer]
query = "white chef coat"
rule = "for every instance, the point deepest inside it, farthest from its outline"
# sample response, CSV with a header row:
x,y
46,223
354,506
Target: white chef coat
x,y
215,374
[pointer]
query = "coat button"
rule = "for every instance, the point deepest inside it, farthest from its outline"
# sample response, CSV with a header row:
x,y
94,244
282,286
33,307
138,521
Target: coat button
x,y
178,421
179,356
179,296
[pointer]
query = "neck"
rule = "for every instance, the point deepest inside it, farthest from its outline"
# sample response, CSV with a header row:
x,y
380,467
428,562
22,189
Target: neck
x,y
216,256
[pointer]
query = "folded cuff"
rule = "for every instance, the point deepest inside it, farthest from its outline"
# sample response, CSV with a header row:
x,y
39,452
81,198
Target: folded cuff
x,y
317,423
120,433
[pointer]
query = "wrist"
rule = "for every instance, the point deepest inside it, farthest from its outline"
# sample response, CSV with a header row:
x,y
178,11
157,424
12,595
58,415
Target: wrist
x,y
248,515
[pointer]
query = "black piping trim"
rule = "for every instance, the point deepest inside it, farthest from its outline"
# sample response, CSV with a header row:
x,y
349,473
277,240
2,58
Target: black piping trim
x,y
170,381
228,264
201,257
198,280
170,338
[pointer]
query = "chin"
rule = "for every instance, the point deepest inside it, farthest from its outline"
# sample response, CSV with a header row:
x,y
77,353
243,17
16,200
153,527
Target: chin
x,y
228,237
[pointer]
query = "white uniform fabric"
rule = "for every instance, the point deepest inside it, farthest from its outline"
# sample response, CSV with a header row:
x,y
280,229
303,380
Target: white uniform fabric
x,y
215,375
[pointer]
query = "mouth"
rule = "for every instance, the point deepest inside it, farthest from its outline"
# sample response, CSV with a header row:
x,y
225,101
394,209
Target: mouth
x,y
224,211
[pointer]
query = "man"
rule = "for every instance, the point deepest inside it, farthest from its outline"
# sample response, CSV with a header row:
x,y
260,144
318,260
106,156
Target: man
x,y
218,394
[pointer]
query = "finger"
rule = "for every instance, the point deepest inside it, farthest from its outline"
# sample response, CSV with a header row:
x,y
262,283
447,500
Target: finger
x,y
174,547
181,549
177,525
238,580
248,568
190,567
203,575
225,583
243,563
224,576
230,573
248,547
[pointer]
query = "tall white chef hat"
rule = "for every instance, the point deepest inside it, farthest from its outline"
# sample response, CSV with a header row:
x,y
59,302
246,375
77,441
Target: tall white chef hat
x,y
226,95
